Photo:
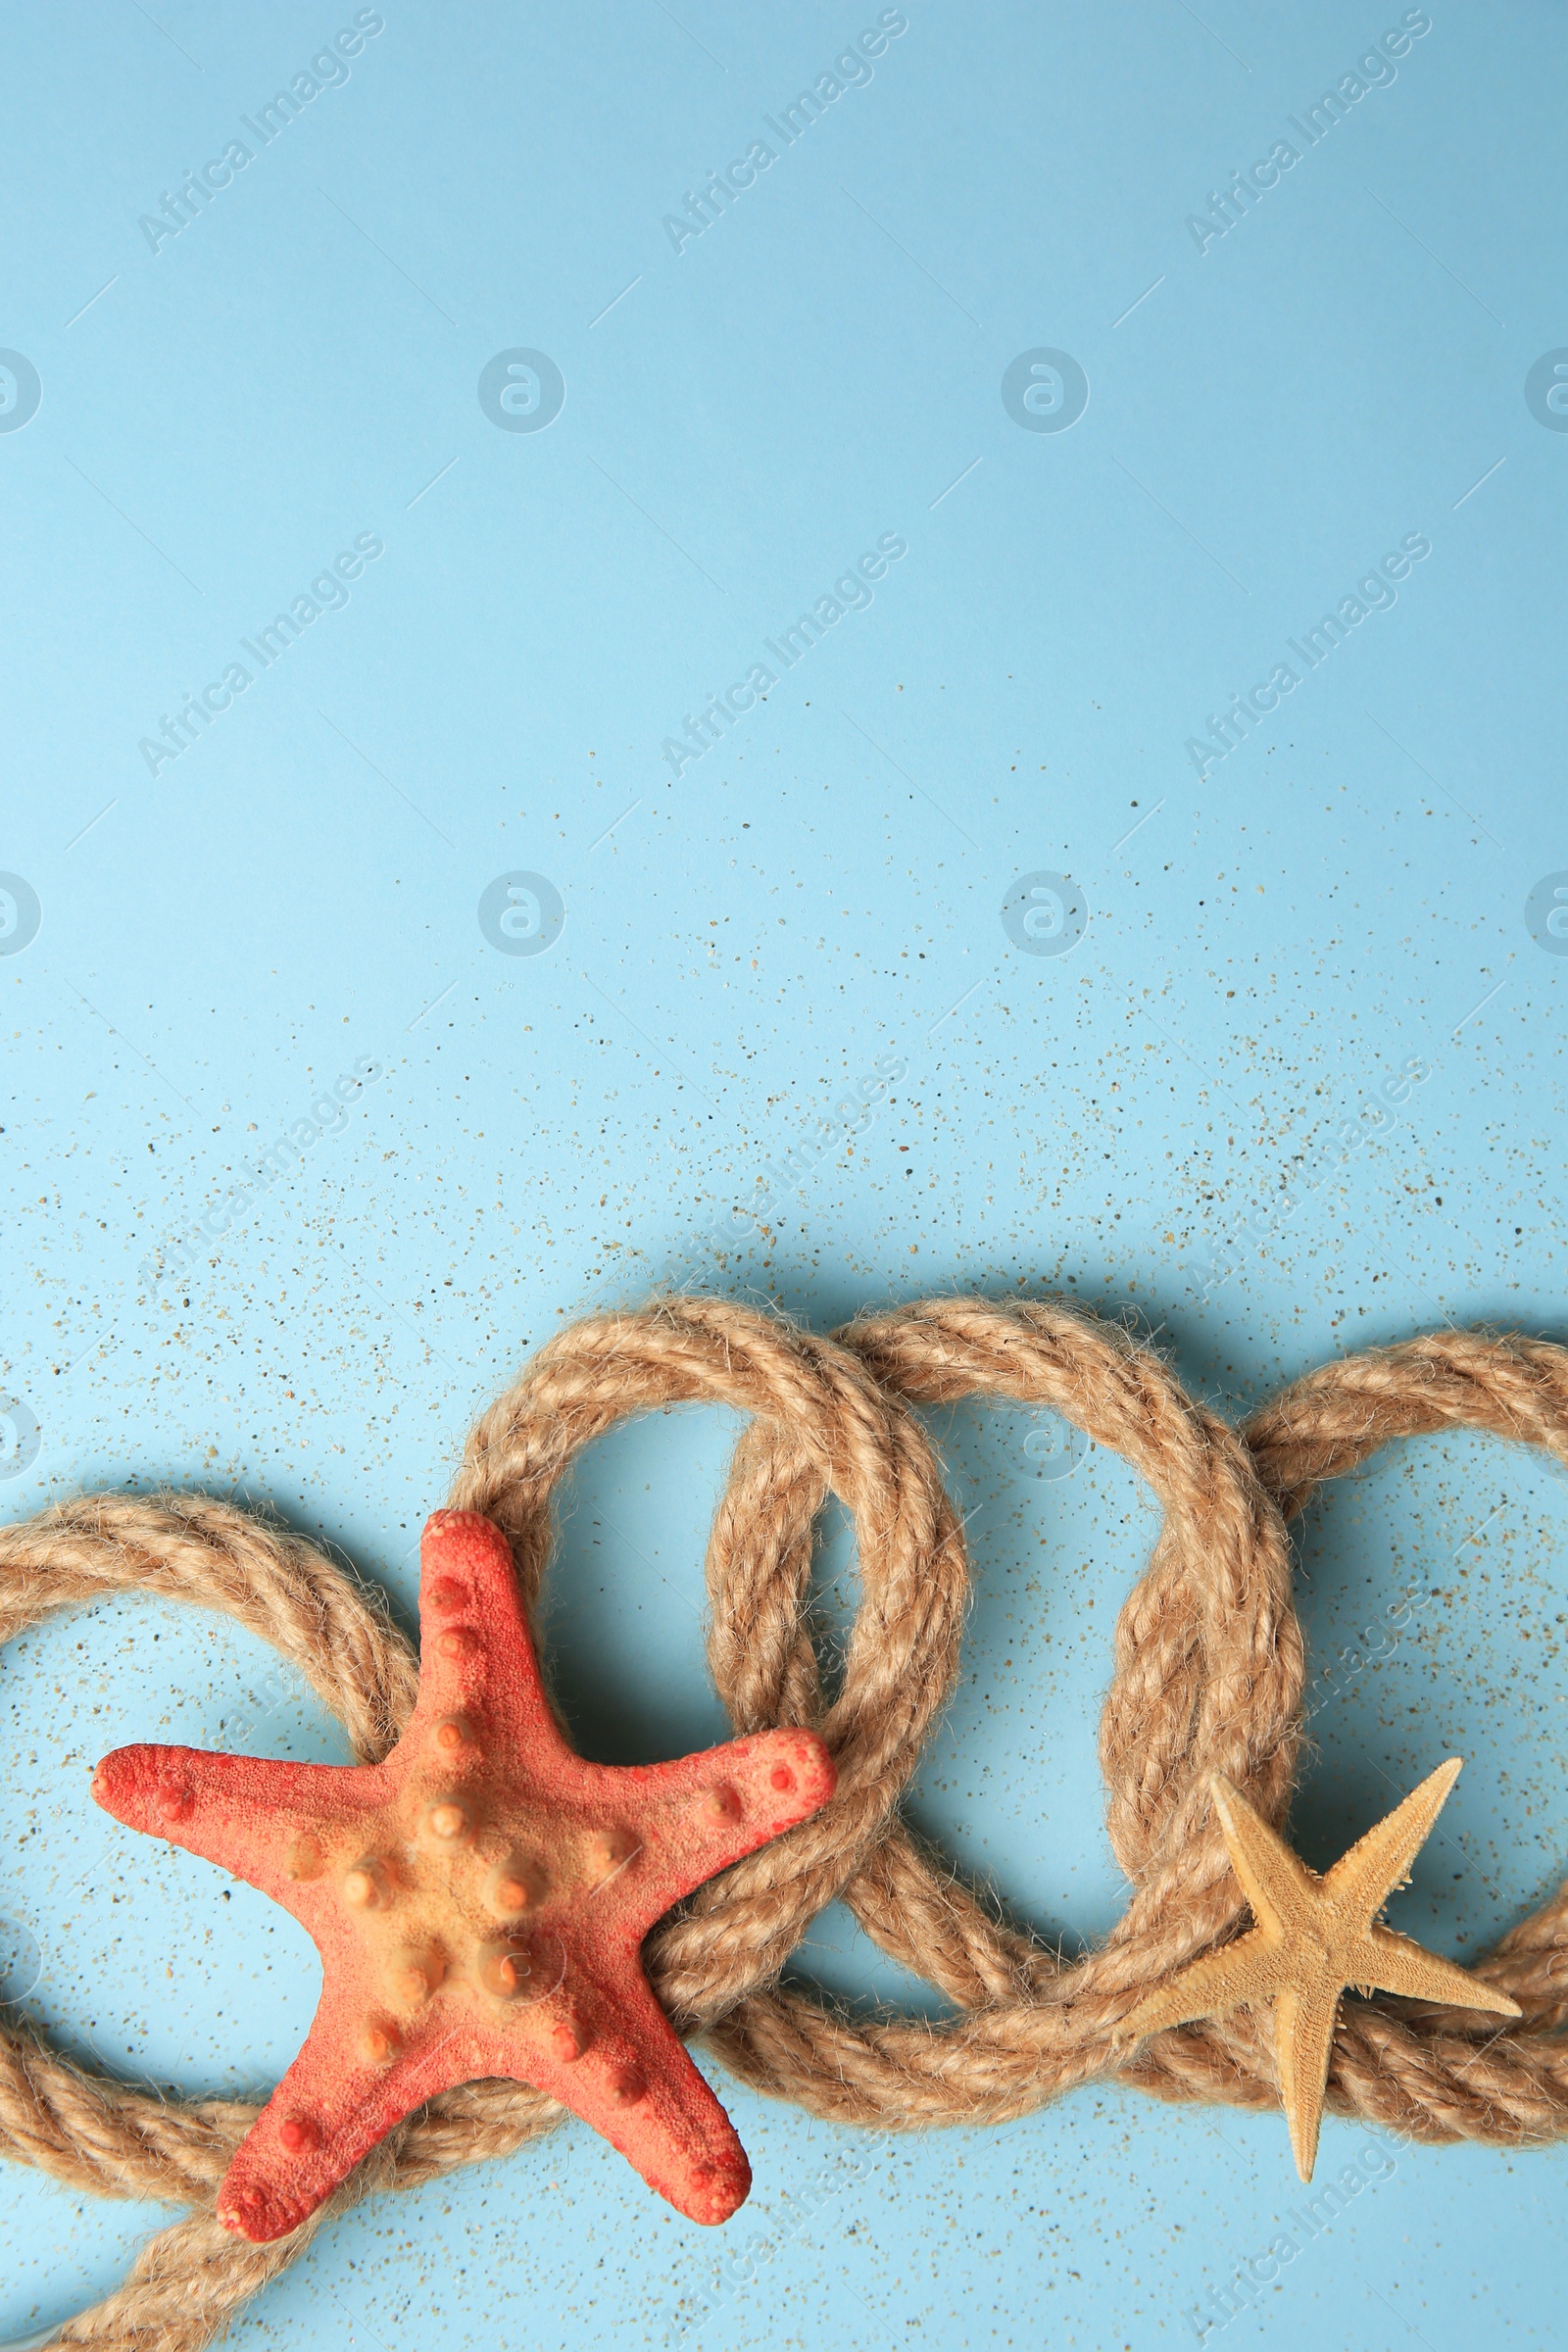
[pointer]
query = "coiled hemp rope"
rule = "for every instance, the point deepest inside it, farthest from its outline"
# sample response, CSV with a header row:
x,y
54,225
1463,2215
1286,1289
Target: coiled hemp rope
x,y
1208,1676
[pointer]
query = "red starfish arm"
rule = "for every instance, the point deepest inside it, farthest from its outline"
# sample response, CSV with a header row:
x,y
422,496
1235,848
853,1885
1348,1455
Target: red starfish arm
x,y
631,2079
334,2103
694,1817
276,1825
477,1665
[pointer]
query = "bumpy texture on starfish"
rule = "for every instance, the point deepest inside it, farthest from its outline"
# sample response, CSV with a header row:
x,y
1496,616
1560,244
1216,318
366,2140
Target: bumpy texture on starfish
x,y
478,1900
1314,1938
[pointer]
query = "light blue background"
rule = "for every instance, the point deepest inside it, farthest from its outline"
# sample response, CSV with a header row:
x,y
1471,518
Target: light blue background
x,y
1343,893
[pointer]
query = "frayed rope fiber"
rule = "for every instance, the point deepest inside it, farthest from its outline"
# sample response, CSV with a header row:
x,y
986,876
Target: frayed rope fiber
x,y
1207,1678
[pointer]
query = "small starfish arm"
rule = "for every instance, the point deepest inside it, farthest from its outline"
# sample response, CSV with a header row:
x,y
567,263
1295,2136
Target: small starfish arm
x,y
1381,1861
1275,1882
1394,1964
1303,2040
1246,1972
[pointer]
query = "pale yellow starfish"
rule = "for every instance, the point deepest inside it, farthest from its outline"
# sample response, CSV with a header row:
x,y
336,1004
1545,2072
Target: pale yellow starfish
x,y
1314,1938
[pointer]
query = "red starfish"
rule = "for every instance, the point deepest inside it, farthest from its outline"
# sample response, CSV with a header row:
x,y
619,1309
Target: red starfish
x,y
478,1900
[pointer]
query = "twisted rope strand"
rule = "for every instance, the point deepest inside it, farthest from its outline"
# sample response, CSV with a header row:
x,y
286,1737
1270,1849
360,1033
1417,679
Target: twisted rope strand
x,y
1208,1670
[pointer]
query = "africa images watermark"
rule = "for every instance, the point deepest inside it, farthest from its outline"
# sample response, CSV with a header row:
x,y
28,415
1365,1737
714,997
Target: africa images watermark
x,y
170,1264
1380,1638
328,69
20,1437
850,593
1374,71
20,1960
742,2264
327,593
850,1116
850,70
1375,593
1217,2306
1378,1112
